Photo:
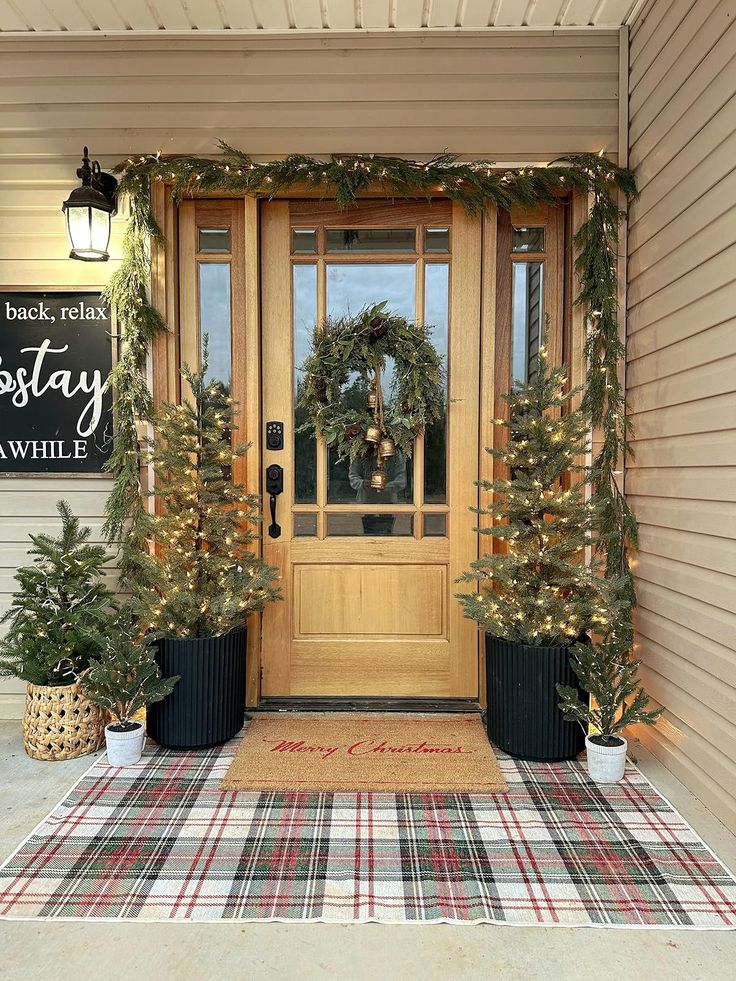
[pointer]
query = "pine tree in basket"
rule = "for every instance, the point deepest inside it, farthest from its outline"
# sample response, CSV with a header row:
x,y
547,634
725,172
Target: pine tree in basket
x,y
124,677
537,590
60,608
201,577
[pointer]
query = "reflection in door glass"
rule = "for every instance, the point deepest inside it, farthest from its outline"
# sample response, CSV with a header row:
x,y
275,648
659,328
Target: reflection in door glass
x,y
349,289
305,318
527,318
305,525
371,525
352,287
214,240
350,483
214,318
436,315
435,525
371,240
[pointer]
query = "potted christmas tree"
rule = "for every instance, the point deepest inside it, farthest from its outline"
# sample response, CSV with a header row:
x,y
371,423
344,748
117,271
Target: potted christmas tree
x,y
535,597
201,579
123,679
55,621
607,670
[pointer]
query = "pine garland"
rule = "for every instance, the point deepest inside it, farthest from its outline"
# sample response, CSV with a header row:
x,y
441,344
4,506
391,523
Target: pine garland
x,y
344,178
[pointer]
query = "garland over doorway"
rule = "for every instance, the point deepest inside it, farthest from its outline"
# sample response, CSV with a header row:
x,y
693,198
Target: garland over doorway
x,y
344,178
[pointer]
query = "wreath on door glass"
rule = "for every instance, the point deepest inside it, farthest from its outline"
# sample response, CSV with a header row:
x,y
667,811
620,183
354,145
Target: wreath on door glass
x,y
341,393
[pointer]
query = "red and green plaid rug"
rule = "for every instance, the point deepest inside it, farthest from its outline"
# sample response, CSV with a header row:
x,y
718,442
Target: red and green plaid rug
x,y
161,841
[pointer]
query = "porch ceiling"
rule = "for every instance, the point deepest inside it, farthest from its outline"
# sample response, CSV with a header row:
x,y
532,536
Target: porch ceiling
x,y
84,16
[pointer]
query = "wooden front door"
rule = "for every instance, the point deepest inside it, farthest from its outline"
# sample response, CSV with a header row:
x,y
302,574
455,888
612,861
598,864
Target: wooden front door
x,y
369,583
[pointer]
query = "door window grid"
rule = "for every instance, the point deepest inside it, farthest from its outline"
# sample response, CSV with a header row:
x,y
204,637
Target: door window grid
x,y
423,256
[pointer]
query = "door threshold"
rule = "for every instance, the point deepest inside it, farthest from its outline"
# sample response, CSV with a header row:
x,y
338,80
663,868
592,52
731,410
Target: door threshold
x,y
321,704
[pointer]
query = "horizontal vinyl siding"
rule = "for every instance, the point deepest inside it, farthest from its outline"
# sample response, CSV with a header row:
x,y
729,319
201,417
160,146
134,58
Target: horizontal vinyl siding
x,y
29,505
508,98
681,382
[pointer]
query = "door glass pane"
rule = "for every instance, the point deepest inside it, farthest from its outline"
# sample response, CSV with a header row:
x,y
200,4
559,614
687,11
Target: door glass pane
x,y
349,289
352,287
370,525
305,525
436,316
371,240
305,318
435,525
214,319
214,239
303,241
437,240
527,318
528,240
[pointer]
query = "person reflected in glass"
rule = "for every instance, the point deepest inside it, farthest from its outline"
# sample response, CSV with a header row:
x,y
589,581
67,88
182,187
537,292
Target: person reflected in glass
x,y
360,480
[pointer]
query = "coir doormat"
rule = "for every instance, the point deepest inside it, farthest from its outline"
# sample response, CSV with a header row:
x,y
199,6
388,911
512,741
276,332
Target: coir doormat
x,y
378,753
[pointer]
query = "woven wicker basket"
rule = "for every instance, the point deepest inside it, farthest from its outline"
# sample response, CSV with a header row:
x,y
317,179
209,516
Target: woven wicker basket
x,y
61,723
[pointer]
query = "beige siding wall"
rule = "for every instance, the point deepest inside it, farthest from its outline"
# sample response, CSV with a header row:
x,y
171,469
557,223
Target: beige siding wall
x,y
681,380
512,98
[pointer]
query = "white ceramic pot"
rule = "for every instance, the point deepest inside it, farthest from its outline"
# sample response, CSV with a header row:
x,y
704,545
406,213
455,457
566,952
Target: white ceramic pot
x,y
606,764
125,748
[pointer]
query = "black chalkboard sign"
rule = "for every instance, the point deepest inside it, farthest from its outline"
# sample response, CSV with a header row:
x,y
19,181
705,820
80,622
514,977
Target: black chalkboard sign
x,y
55,408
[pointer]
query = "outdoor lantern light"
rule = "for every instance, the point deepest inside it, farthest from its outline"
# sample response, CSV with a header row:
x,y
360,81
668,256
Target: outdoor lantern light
x,y
88,210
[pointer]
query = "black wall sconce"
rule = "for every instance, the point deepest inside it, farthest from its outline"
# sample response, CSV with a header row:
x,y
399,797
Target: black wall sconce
x,y
89,210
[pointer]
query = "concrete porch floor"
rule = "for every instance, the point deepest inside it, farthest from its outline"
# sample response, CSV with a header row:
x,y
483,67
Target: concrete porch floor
x,y
225,952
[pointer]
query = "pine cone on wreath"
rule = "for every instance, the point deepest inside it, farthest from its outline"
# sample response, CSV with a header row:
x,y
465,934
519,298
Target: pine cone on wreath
x,y
379,327
355,429
320,390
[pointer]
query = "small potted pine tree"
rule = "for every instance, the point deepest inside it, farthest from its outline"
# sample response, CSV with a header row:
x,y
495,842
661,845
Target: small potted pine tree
x,y
123,679
608,671
55,620
534,596
201,580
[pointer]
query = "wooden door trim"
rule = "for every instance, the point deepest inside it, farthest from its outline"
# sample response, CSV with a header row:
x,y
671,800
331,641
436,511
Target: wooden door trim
x,y
463,431
276,373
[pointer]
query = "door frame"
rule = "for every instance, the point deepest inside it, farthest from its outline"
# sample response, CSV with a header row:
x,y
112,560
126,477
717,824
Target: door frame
x,y
165,350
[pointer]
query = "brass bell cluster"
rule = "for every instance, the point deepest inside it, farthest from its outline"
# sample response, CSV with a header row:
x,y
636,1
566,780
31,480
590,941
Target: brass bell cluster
x,y
376,434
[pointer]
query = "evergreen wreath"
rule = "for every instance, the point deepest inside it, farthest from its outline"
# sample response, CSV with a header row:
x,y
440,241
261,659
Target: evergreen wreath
x,y
345,346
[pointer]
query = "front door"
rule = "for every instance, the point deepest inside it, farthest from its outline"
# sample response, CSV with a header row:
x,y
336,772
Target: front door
x,y
368,583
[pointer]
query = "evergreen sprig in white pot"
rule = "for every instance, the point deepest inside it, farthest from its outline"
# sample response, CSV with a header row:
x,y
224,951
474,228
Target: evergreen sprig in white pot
x,y
124,679
606,669
606,758
124,742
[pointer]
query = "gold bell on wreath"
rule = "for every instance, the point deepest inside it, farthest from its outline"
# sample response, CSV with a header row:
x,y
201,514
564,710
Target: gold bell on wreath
x,y
372,399
386,448
372,434
378,480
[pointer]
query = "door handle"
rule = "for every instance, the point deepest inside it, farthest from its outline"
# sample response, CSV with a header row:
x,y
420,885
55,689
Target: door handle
x,y
274,487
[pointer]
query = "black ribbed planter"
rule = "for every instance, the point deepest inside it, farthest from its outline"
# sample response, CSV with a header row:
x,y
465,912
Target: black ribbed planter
x,y
523,717
207,706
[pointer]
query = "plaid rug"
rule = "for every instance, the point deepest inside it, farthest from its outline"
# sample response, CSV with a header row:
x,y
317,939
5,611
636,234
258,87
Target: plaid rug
x,y
160,841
